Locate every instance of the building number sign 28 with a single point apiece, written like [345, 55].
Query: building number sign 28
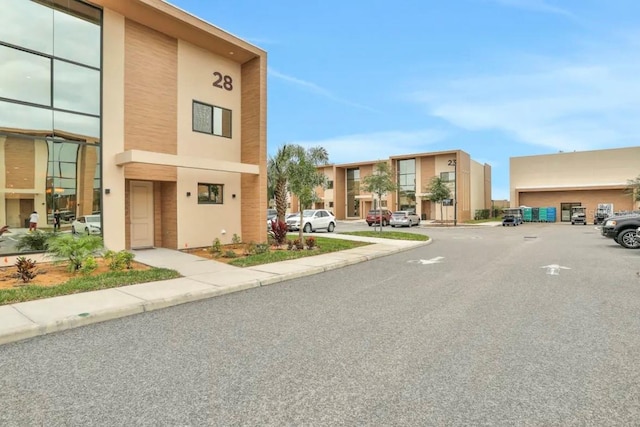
[222, 81]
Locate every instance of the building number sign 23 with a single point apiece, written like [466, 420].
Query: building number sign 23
[222, 81]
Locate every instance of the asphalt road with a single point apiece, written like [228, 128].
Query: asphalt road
[531, 325]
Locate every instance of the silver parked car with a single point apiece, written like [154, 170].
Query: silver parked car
[271, 215]
[312, 220]
[404, 219]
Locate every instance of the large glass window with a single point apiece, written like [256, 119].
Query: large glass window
[25, 120]
[407, 184]
[27, 24]
[26, 77]
[76, 88]
[353, 190]
[50, 92]
[82, 127]
[76, 34]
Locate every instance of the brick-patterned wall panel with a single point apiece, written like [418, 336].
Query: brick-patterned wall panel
[464, 187]
[20, 159]
[143, 172]
[339, 193]
[127, 214]
[157, 214]
[487, 186]
[254, 150]
[151, 90]
[169, 223]
[427, 172]
[588, 198]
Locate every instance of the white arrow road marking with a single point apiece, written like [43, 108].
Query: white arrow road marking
[554, 269]
[435, 260]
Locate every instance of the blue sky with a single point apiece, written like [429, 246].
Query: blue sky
[495, 78]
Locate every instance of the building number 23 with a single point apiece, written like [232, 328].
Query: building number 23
[222, 82]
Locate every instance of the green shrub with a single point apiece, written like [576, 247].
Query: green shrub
[34, 241]
[88, 265]
[482, 214]
[127, 258]
[250, 248]
[262, 248]
[74, 249]
[26, 269]
[230, 254]
[216, 247]
[118, 260]
[236, 240]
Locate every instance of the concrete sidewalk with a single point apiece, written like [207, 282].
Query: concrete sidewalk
[202, 278]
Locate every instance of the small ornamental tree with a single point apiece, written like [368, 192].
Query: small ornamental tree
[379, 183]
[304, 177]
[74, 250]
[633, 188]
[439, 191]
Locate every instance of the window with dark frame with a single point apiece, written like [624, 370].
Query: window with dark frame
[448, 176]
[211, 119]
[210, 194]
[330, 185]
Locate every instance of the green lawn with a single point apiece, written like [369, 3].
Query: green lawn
[114, 279]
[111, 279]
[397, 235]
[324, 245]
[480, 221]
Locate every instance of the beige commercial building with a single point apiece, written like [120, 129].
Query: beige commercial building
[136, 111]
[584, 178]
[413, 172]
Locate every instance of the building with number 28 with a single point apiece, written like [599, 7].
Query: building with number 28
[133, 111]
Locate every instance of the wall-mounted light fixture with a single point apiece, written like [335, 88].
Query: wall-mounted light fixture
[188, 193]
[107, 191]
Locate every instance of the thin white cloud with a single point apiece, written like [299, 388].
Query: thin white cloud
[585, 104]
[536, 6]
[375, 146]
[314, 88]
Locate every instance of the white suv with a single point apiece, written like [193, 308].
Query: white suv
[312, 220]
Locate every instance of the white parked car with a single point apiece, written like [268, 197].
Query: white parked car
[404, 219]
[312, 220]
[271, 215]
[87, 224]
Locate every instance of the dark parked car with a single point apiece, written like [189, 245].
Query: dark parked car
[374, 215]
[623, 228]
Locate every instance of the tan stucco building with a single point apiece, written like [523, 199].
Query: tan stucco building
[470, 179]
[584, 178]
[136, 111]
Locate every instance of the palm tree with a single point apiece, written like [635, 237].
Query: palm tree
[277, 177]
[278, 170]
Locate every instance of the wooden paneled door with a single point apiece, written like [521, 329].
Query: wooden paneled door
[141, 211]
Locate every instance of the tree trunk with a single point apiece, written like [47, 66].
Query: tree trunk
[281, 198]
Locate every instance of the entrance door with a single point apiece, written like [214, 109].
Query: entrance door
[565, 209]
[141, 213]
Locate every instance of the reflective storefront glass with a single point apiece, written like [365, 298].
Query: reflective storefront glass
[50, 122]
[407, 184]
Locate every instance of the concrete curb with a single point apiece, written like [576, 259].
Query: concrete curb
[34, 329]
